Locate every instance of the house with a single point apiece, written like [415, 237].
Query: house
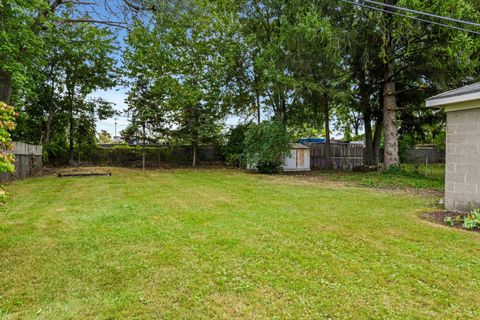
[299, 158]
[462, 178]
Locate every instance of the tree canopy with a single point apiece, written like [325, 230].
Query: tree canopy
[361, 69]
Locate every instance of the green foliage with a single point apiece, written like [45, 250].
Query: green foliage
[21, 45]
[234, 149]
[7, 125]
[266, 146]
[55, 150]
[472, 221]
[104, 137]
[181, 66]
[448, 221]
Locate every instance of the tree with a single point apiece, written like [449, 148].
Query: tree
[314, 54]
[148, 117]
[266, 146]
[420, 50]
[21, 43]
[104, 137]
[187, 56]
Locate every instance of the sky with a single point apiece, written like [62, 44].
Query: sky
[116, 96]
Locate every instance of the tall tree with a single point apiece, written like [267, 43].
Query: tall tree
[77, 61]
[187, 55]
[420, 50]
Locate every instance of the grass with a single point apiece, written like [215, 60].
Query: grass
[209, 244]
[405, 177]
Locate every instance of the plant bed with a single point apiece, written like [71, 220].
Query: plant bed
[449, 219]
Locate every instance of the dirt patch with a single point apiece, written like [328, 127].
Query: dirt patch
[455, 219]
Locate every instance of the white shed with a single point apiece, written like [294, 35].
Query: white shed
[299, 158]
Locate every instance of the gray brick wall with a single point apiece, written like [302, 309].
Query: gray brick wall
[462, 177]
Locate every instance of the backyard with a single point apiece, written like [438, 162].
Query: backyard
[226, 244]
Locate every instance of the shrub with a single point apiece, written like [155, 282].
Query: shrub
[266, 145]
[7, 160]
[7, 125]
[235, 147]
[472, 221]
[448, 221]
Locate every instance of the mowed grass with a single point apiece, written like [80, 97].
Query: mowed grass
[207, 244]
[431, 178]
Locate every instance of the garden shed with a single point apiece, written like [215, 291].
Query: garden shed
[299, 158]
[462, 178]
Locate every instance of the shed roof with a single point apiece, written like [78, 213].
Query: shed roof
[299, 146]
[464, 94]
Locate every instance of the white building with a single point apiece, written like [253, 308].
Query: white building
[462, 179]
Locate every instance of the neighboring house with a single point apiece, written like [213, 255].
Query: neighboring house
[462, 178]
[299, 158]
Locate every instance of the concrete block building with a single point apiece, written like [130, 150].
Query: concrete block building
[462, 177]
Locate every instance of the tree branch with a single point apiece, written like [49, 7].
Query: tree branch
[79, 2]
[116, 24]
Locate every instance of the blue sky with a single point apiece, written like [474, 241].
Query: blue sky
[116, 96]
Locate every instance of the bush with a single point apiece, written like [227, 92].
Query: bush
[266, 146]
[7, 125]
[472, 221]
[235, 147]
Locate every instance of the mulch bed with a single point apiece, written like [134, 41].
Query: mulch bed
[439, 218]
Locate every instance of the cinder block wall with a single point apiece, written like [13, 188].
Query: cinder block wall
[462, 180]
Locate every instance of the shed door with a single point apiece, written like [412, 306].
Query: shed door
[300, 158]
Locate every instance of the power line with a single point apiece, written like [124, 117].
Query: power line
[422, 13]
[112, 125]
[412, 17]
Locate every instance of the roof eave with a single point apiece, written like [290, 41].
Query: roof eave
[444, 102]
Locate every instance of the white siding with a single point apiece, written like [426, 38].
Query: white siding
[291, 162]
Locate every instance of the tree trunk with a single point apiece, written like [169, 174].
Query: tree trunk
[194, 154]
[48, 128]
[257, 97]
[377, 139]
[143, 146]
[5, 87]
[367, 119]
[71, 135]
[390, 130]
[326, 117]
[50, 106]
[259, 116]
[71, 138]
[391, 157]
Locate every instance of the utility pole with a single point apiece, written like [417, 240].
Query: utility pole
[116, 126]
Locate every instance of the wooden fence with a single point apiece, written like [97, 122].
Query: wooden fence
[343, 156]
[28, 162]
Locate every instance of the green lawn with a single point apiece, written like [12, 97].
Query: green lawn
[431, 178]
[224, 244]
